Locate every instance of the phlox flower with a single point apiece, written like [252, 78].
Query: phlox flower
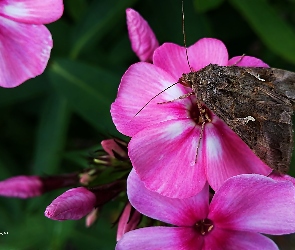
[25, 43]
[243, 207]
[165, 137]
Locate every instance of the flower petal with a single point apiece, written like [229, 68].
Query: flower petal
[164, 156]
[32, 11]
[206, 51]
[282, 177]
[142, 38]
[180, 212]
[168, 238]
[24, 51]
[232, 240]
[254, 203]
[247, 61]
[172, 57]
[226, 155]
[142, 82]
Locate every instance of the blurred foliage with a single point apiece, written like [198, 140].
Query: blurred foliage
[50, 123]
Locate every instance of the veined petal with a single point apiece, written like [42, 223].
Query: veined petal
[142, 82]
[247, 61]
[233, 240]
[167, 165]
[172, 57]
[32, 11]
[168, 238]
[142, 38]
[179, 212]
[24, 51]
[254, 203]
[226, 155]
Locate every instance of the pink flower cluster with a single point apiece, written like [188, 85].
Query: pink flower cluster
[168, 182]
[25, 43]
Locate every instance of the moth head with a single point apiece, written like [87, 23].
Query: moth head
[185, 80]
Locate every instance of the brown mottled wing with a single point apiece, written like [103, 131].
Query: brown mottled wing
[255, 92]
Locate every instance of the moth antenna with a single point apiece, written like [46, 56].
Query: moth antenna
[155, 97]
[184, 37]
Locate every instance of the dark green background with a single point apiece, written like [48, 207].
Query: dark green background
[50, 124]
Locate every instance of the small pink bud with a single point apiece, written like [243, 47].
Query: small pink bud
[114, 145]
[142, 38]
[128, 221]
[91, 218]
[71, 205]
[21, 187]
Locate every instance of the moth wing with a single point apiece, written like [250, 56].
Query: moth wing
[283, 80]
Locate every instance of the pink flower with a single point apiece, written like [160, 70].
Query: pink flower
[71, 205]
[142, 38]
[165, 136]
[21, 187]
[243, 207]
[25, 43]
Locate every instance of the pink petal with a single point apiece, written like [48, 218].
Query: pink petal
[24, 51]
[141, 82]
[168, 238]
[142, 38]
[206, 51]
[226, 155]
[180, 212]
[71, 205]
[232, 240]
[172, 58]
[254, 203]
[282, 177]
[32, 11]
[21, 187]
[164, 155]
[247, 61]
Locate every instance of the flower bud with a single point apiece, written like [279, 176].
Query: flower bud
[142, 38]
[128, 221]
[71, 205]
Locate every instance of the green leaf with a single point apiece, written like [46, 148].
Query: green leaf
[28, 90]
[206, 5]
[51, 135]
[272, 30]
[76, 8]
[101, 17]
[90, 91]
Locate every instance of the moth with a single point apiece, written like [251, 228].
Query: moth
[256, 103]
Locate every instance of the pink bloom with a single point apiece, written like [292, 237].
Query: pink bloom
[21, 187]
[71, 205]
[165, 136]
[142, 38]
[128, 221]
[243, 207]
[25, 43]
